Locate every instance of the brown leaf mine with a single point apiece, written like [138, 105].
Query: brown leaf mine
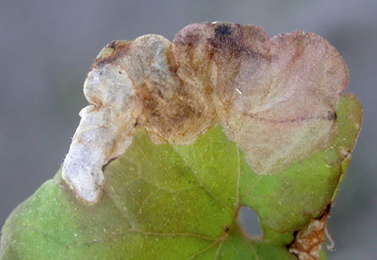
[276, 98]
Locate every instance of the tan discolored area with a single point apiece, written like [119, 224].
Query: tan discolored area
[171, 109]
[307, 243]
[276, 98]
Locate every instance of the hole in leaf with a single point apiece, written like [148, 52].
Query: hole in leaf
[250, 222]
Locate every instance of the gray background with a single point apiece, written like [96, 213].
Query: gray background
[46, 48]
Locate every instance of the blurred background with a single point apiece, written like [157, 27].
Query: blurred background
[47, 47]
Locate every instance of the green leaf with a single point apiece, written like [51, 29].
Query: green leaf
[171, 201]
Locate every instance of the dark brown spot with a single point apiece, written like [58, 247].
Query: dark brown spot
[226, 228]
[232, 42]
[223, 30]
[120, 48]
[112, 44]
[104, 166]
[331, 115]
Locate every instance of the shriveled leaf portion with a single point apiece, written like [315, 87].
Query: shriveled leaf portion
[275, 98]
[272, 96]
[180, 202]
[132, 83]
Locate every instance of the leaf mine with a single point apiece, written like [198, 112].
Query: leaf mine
[276, 98]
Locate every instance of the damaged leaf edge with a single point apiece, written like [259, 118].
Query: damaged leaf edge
[107, 125]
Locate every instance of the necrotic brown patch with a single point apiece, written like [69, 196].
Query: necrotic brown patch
[277, 99]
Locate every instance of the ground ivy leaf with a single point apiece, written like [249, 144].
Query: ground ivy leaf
[167, 153]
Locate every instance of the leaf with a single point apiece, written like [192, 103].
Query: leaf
[187, 162]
